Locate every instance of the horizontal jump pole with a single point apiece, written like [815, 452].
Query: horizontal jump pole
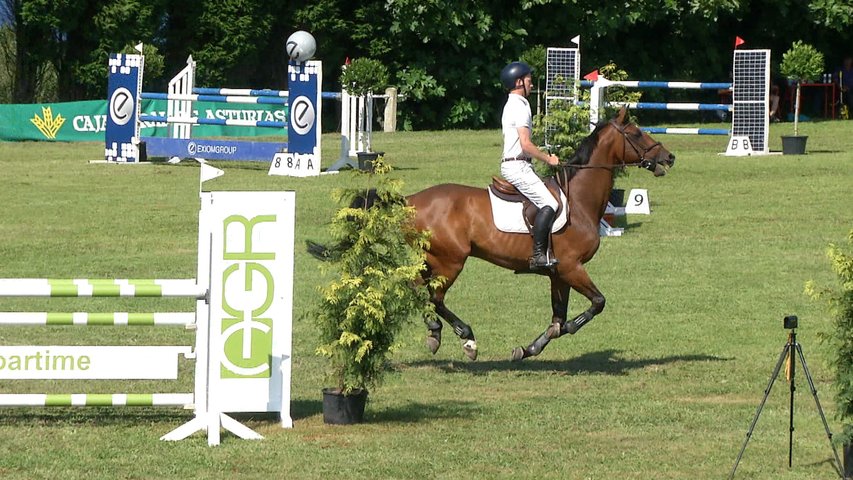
[659, 84]
[43, 287]
[96, 400]
[686, 131]
[212, 121]
[675, 106]
[215, 98]
[256, 93]
[97, 319]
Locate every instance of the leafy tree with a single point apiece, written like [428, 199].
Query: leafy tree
[840, 338]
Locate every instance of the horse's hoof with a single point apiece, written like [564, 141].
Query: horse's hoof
[517, 354]
[554, 331]
[433, 344]
[470, 349]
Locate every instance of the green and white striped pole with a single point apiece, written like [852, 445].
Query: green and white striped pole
[97, 400]
[185, 319]
[43, 287]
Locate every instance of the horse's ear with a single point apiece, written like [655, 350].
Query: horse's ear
[622, 116]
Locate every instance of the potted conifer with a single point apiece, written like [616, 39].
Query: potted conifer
[840, 302]
[378, 261]
[360, 78]
[801, 63]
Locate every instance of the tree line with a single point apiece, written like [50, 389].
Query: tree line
[444, 55]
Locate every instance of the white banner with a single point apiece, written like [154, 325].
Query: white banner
[90, 362]
[251, 300]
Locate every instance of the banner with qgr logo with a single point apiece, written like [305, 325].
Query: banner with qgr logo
[251, 298]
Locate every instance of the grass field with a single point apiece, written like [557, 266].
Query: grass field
[661, 385]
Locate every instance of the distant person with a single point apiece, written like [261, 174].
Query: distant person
[843, 77]
[774, 104]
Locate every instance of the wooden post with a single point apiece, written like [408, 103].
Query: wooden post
[390, 117]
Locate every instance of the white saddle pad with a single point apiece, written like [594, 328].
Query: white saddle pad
[508, 217]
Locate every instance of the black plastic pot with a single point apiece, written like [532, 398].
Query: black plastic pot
[365, 160]
[794, 145]
[340, 409]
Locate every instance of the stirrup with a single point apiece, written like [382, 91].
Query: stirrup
[542, 262]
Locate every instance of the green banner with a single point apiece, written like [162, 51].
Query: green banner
[86, 121]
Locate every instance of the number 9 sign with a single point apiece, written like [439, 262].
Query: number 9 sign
[638, 202]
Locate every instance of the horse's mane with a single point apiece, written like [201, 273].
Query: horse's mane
[584, 151]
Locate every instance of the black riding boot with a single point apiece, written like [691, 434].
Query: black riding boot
[541, 231]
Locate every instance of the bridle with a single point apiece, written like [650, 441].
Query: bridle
[642, 161]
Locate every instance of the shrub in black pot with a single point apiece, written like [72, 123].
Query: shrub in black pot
[378, 260]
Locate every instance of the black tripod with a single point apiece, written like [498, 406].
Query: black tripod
[788, 352]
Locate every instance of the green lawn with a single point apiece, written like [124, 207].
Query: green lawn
[663, 384]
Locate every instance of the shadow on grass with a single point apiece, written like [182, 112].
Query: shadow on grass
[94, 416]
[412, 413]
[608, 362]
[423, 412]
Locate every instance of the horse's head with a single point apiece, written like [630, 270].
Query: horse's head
[641, 149]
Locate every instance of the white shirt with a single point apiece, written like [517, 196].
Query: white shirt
[516, 114]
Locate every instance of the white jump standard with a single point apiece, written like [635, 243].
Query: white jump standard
[242, 324]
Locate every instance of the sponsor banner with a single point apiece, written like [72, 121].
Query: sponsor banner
[212, 149]
[251, 300]
[124, 87]
[91, 362]
[87, 121]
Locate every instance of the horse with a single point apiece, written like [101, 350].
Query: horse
[459, 218]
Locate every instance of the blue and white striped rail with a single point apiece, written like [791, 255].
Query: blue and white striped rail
[686, 131]
[215, 98]
[212, 121]
[659, 84]
[676, 106]
[184, 319]
[248, 92]
[245, 92]
[97, 400]
[43, 287]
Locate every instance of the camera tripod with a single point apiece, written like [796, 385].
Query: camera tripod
[788, 352]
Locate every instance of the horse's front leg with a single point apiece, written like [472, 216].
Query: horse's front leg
[559, 308]
[581, 282]
[460, 328]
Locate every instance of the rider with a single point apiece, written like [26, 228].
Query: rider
[518, 151]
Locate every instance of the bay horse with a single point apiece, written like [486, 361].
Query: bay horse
[460, 221]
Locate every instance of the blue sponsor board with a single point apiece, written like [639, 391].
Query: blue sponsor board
[123, 92]
[212, 149]
[303, 131]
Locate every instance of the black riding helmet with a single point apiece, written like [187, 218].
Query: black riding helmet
[513, 72]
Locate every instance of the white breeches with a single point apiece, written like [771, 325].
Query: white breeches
[520, 173]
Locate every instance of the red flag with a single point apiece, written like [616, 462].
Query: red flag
[347, 62]
[739, 41]
[591, 76]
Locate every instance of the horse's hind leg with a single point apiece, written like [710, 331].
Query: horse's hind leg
[559, 308]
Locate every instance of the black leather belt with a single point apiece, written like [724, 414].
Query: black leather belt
[523, 159]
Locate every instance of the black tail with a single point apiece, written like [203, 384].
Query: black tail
[325, 253]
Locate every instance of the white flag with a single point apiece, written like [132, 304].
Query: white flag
[208, 172]
[138, 47]
[577, 40]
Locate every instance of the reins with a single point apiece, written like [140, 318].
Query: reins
[642, 162]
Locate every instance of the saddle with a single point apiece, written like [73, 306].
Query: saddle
[507, 192]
